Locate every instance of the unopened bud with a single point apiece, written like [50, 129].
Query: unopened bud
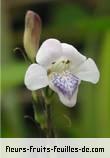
[32, 34]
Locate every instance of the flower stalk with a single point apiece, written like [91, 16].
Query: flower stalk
[48, 112]
[42, 112]
[39, 108]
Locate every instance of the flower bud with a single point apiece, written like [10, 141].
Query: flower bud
[32, 34]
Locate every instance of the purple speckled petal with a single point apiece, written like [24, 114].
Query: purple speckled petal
[66, 83]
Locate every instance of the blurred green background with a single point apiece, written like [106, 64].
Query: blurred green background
[82, 23]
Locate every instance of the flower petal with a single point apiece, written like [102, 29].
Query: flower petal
[88, 71]
[49, 51]
[71, 53]
[64, 99]
[69, 102]
[36, 77]
[66, 86]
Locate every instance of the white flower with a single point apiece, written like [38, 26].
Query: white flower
[61, 67]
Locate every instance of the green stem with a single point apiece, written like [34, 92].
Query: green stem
[39, 108]
[50, 132]
[43, 111]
